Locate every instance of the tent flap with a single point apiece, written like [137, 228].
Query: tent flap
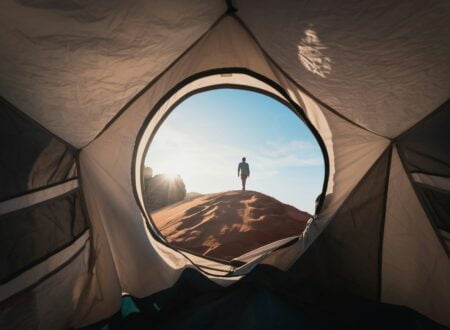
[345, 258]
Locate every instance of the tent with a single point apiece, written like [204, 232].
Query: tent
[84, 85]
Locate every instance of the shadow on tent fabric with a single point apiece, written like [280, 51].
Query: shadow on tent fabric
[265, 299]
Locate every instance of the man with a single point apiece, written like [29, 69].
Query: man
[244, 171]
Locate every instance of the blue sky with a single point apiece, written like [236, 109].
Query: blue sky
[206, 136]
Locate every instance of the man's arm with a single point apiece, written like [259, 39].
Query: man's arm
[239, 168]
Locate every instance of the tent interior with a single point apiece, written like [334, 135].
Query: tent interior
[85, 84]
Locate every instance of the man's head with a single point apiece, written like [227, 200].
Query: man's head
[243, 159]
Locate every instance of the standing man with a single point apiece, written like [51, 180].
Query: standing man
[244, 170]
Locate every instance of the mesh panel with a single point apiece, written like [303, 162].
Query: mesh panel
[30, 157]
[438, 205]
[30, 235]
[425, 147]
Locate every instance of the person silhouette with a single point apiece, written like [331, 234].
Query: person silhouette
[244, 171]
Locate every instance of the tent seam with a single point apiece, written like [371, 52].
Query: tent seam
[383, 222]
[86, 214]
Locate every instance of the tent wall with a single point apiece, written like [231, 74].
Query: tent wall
[352, 151]
[81, 62]
[51, 301]
[415, 268]
[383, 64]
[32, 158]
[425, 153]
[32, 234]
[108, 181]
[44, 230]
[345, 258]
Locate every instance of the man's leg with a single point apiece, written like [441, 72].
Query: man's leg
[244, 179]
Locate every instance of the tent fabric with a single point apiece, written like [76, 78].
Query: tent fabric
[424, 147]
[37, 197]
[346, 256]
[415, 267]
[31, 158]
[85, 84]
[36, 274]
[50, 303]
[438, 204]
[382, 64]
[44, 229]
[424, 152]
[104, 53]
[32, 234]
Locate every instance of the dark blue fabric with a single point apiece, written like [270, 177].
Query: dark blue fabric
[266, 299]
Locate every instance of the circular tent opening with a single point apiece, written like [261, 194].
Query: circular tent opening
[198, 213]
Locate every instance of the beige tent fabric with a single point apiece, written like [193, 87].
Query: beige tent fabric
[52, 303]
[383, 64]
[106, 166]
[125, 258]
[36, 197]
[351, 150]
[415, 269]
[73, 65]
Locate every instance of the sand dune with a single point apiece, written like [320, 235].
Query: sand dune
[227, 225]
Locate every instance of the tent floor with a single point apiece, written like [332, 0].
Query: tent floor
[265, 299]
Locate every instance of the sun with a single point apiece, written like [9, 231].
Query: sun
[171, 175]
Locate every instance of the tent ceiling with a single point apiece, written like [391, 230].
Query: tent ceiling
[73, 65]
[383, 64]
[80, 62]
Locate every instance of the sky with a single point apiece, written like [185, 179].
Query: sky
[205, 137]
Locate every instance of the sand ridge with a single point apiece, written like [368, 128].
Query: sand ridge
[229, 224]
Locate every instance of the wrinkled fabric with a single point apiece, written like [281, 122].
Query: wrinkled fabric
[73, 65]
[383, 64]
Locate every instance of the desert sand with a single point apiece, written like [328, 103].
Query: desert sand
[227, 225]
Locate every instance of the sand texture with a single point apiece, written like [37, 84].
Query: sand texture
[227, 225]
